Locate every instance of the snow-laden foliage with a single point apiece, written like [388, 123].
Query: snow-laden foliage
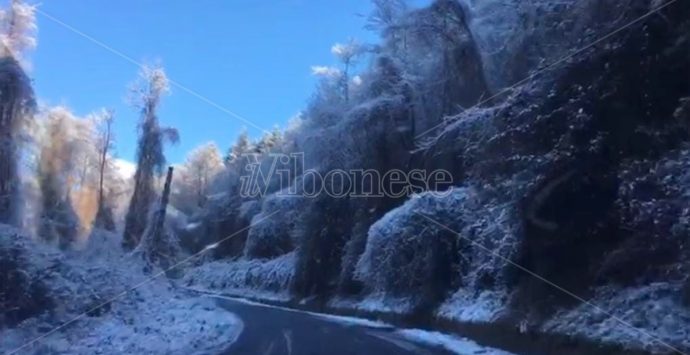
[59, 156]
[193, 181]
[105, 218]
[23, 292]
[405, 251]
[147, 92]
[435, 244]
[272, 231]
[54, 288]
[17, 29]
[648, 317]
[16, 111]
[245, 276]
[574, 175]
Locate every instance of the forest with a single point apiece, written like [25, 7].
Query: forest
[563, 126]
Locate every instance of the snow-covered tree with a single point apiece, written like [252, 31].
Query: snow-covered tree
[240, 148]
[56, 171]
[335, 82]
[147, 92]
[388, 18]
[104, 215]
[347, 54]
[159, 246]
[18, 29]
[16, 101]
[269, 142]
[201, 167]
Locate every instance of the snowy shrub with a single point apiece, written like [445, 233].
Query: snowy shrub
[321, 234]
[354, 248]
[120, 309]
[244, 275]
[413, 251]
[653, 196]
[647, 317]
[273, 236]
[409, 255]
[22, 290]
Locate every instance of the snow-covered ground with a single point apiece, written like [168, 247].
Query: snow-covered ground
[163, 324]
[146, 316]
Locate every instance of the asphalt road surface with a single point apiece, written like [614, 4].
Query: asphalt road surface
[277, 331]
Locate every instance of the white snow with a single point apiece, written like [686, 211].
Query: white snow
[352, 321]
[648, 317]
[375, 302]
[147, 315]
[261, 279]
[460, 346]
[473, 306]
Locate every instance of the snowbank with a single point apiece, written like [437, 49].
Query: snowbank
[460, 346]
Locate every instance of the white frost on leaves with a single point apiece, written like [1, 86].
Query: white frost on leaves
[250, 278]
[486, 233]
[18, 29]
[640, 317]
[473, 305]
[376, 302]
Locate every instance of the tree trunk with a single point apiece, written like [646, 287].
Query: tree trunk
[165, 198]
[157, 247]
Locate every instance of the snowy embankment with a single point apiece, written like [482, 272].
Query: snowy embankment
[146, 315]
[259, 279]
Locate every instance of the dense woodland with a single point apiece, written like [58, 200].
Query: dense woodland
[565, 125]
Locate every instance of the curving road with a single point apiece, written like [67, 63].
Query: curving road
[277, 331]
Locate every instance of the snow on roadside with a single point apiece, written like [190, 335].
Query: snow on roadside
[155, 326]
[473, 306]
[649, 317]
[460, 346]
[146, 315]
[375, 302]
[260, 279]
[352, 321]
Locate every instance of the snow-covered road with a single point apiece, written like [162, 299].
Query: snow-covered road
[270, 330]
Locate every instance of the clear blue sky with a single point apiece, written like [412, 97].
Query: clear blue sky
[252, 57]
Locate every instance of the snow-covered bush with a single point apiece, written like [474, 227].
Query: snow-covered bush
[244, 275]
[648, 317]
[111, 305]
[272, 231]
[408, 255]
[435, 243]
[22, 290]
